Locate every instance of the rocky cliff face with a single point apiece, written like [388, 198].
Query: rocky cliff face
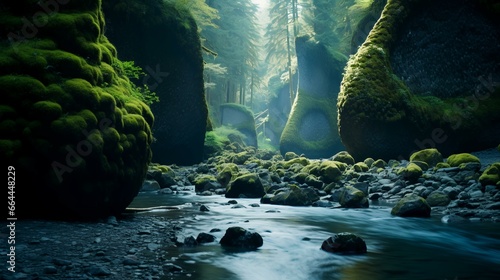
[70, 125]
[312, 126]
[423, 79]
[164, 41]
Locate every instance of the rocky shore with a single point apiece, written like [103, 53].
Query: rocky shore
[136, 246]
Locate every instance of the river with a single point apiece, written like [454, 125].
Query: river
[398, 248]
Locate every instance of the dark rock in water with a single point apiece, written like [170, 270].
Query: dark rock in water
[238, 237]
[351, 197]
[97, 270]
[205, 238]
[312, 126]
[204, 208]
[412, 205]
[190, 241]
[248, 185]
[293, 196]
[345, 242]
[438, 198]
[167, 47]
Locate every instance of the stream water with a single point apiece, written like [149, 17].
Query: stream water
[398, 248]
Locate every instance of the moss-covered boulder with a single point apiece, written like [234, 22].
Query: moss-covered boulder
[412, 205]
[293, 196]
[71, 126]
[491, 175]
[419, 81]
[411, 172]
[331, 171]
[351, 197]
[163, 39]
[312, 126]
[246, 186]
[430, 156]
[437, 198]
[456, 160]
[344, 157]
[240, 118]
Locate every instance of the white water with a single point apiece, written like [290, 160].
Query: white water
[398, 248]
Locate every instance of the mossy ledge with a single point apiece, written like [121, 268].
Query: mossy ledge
[77, 138]
[380, 117]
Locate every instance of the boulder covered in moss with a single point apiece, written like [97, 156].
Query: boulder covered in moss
[71, 126]
[411, 205]
[456, 160]
[163, 39]
[245, 186]
[240, 118]
[351, 197]
[491, 175]
[419, 81]
[312, 126]
[430, 156]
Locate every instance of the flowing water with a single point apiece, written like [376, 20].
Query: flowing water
[398, 248]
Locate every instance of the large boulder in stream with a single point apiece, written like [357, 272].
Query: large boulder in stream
[242, 239]
[312, 126]
[292, 196]
[247, 186]
[344, 242]
[412, 205]
[424, 78]
[77, 137]
[164, 41]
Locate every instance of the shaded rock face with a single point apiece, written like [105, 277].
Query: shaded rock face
[165, 43]
[412, 206]
[386, 114]
[241, 119]
[311, 128]
[441, 37]
[279, 110]
[78, 141]
[344, 242]
[240, 238]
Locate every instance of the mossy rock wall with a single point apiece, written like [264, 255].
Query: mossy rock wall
[279, 110]
[240, 118]
[78, 140]
[312, 126]
[388, 112]
[164, 41]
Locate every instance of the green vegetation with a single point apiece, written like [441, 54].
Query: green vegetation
[457, 159]
[132, 71]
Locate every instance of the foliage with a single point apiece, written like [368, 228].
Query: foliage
[132, 71]
[203, 14]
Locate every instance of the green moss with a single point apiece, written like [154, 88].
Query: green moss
[379, 163]
[344, 157]
[456, 159]
[47, 110]
[491, 175]
[397, 119]
[290, 138]
[330, 171]
[429, 156]
[411, 172]
[360, 167]
[300, 160]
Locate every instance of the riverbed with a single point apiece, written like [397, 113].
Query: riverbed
[398, 248]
